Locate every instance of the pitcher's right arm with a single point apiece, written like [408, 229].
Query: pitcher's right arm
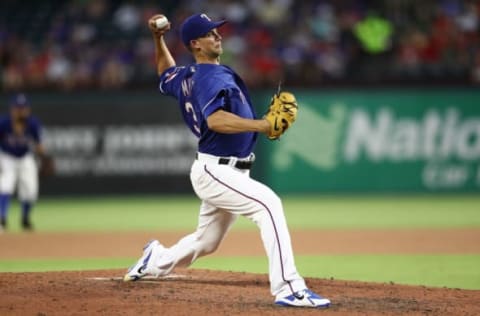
[163, 57]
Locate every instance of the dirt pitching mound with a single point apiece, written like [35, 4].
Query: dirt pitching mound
[203, 292]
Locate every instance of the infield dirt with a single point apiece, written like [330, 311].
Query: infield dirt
[201, 292]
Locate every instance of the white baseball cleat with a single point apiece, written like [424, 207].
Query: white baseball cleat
[139, 270]
[304, 298]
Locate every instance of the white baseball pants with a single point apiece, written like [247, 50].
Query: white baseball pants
[227, 192]
[19, 171]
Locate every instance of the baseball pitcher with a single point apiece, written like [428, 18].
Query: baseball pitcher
[216, 107]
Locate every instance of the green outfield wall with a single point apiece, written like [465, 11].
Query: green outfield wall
[344, 140]
[379, 140]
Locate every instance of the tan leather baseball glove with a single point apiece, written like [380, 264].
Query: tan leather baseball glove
[281, 114]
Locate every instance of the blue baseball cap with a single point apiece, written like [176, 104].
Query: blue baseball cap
[197, 26]
[19, 100]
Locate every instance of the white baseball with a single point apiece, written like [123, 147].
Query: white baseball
[161, 22]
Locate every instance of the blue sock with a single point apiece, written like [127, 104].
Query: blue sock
[4, 203]
[26, 208]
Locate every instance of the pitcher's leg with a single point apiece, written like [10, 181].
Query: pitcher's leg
[243, 195]
[213, 224]
[284, 278]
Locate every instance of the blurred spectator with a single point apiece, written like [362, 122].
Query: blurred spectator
[271, 12]
[127, 17]
[105, 44]
[374, 33]
[59, 68]
[476, 69]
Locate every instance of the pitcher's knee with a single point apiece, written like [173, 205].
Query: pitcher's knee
[274, 204]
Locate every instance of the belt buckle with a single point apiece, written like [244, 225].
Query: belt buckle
[232, 161]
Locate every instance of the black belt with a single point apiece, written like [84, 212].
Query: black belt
[244, 165]
[239, 164]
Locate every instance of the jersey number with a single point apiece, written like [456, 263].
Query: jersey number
[189, 109]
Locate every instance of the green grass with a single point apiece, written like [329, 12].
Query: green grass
[454, 271]
[384, 212]
[324, 212]
[113, 214]
[43, 265]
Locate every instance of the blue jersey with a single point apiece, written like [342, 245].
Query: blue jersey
[202, 89]
[15, 144]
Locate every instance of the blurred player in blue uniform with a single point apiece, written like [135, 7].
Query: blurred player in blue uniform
[217, 108]
[20, 139]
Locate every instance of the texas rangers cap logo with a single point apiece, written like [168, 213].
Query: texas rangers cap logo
[197, 26]
[203, 15]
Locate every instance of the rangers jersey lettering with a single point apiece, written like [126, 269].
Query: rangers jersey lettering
[202, 89]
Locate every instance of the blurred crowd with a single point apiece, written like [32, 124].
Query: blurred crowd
[102, 44]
